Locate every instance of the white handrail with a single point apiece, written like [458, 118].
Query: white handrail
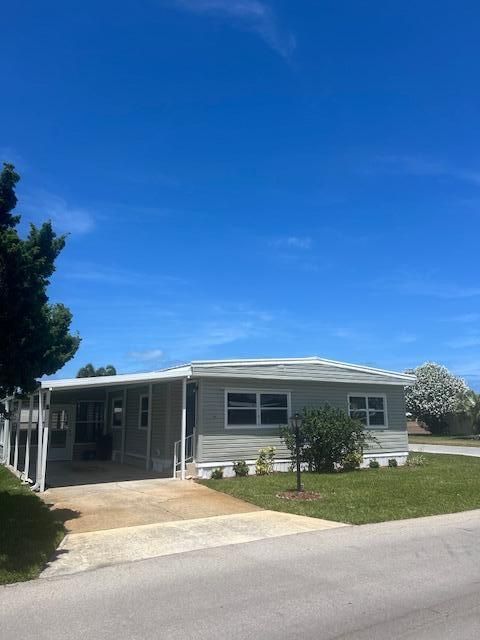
[177, 452]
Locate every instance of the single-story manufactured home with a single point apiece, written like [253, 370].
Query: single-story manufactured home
[195, 417]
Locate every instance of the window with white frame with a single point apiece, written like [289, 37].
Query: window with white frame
[143, 413]
[248, 408]
[117, 413]
[370, 410]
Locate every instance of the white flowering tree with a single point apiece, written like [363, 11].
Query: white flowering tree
[436, 393]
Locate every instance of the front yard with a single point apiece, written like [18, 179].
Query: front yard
[29, 531]
[445, 484]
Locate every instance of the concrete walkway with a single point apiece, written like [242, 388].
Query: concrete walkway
[83, 551]
[440, 448]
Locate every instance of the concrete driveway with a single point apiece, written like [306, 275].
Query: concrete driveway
[474, 452]
[113, 505]
[113, 523]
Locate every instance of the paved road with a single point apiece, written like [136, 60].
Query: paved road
[415, 579]
[440, 448]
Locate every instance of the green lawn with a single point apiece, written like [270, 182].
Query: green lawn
[449, 440]
[29, 531]
[445, 484]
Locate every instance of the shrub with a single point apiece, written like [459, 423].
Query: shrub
[240, 468]
[352, 461]
[374, 464]
[264, 463]
[416, 460]
[327, 437]
[392, 462]
[217, 474]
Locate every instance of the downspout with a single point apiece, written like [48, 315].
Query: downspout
[38, 469]
[26, 465]
[17, 437]
[184, 429]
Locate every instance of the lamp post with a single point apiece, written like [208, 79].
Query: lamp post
[296, 421]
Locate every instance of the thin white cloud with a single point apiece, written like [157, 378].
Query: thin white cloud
[465, 318]
[343, 332]
[66, 218]
[423, 166]
[254, 16]
[293, 242]
[413, 285]
[115, 275]
[464, 342]
[149, 355]
[406, 338]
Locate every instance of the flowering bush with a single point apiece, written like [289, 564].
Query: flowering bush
[436, 393]
[265, 460]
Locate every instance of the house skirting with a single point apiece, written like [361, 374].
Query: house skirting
[204, 469]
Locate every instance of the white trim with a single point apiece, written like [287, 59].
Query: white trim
[183, 431]
[112, 413]
[373, 427]
[45, 441]
[258, 392]
[140, 398]
[118, 380]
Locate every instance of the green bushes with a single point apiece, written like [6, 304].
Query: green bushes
[374, 464]
[217, 474]
[328, 438]
[241, 469]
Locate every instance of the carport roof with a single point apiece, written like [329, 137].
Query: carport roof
[308, 369]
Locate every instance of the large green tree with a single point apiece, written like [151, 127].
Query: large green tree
[35, 338]
[89, 371]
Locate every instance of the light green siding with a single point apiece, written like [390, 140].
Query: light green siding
[215, 443]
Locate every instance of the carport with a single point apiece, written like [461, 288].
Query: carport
[122, 427]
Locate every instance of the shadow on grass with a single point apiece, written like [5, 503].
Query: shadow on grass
[29, 534]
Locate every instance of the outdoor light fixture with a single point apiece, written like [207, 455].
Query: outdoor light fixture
[296, 422]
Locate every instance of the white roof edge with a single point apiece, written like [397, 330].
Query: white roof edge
[200, 367]
[183, 371]
[336, 363]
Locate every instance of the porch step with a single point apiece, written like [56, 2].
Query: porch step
[190, 470]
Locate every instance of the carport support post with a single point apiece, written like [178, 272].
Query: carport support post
[26, 468]
[6, 433]
[38, 470]
[45, 441]
[17, 436]
[184, 428]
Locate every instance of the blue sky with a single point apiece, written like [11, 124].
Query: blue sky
[253, 178]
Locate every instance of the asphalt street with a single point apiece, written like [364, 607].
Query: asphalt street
[409, 579]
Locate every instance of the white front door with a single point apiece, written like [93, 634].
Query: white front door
[61, 431]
